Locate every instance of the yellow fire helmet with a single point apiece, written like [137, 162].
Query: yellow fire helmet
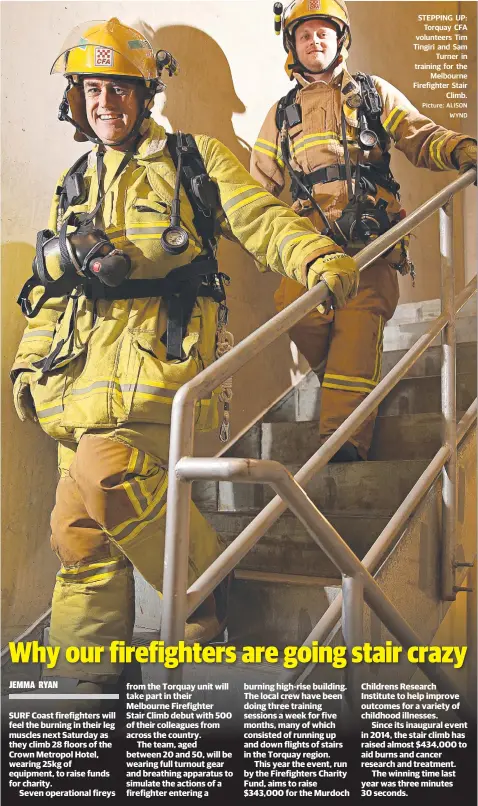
[108, 48]
[299, 11]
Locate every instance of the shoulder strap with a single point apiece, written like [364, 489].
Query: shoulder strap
[372, 106]
[199, 187]
[79, 167]
[371, 99]
[284, 102]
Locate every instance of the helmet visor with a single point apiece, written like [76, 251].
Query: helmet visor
[95, 48]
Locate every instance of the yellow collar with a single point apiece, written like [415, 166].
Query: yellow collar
[153, 142]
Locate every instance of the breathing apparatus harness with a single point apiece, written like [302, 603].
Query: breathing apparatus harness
[92, 266]
[362, 219]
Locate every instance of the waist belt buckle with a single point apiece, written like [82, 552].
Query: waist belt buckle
[333, 173]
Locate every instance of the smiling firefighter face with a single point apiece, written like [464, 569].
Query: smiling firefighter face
[316, 44]
[112, 107]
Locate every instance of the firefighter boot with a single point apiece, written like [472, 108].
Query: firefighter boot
[88, 687]
[209, 620]
[347, 453]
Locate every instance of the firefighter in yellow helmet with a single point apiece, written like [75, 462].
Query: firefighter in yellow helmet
[123, 307]
[332, 134]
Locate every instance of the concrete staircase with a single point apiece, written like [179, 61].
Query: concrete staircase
[286, 582]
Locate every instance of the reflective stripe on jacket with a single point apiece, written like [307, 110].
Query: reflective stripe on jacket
[112, 367]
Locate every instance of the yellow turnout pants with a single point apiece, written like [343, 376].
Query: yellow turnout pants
[110, 515]
[345, 347]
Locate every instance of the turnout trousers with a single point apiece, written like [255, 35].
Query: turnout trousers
[345, 347]
[109, 516]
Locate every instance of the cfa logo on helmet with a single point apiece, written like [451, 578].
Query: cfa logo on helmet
[103, 57]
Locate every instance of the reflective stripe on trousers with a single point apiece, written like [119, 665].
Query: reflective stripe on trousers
[345, 347]
[110, 515]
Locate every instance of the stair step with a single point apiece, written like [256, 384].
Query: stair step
[301, 404]
[404, 336]
[288, 530]
[287, 548]
[342, 487]
[416, 436]
[236, 674]
[430, 362]
[419, 395]
[288, 612]
[412, 395]
[358, 486]
[426, 311]
[289, 442]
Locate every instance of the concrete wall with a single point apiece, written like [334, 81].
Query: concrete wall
[231, 74]
[458, 628]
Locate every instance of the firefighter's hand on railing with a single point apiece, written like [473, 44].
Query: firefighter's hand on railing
[464, 155]
[22, 399]
[339, 271]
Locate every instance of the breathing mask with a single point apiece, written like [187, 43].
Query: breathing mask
[65, 261]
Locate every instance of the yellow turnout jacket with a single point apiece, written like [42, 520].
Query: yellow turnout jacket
[111, 365]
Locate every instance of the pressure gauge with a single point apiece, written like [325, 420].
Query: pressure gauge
[367, 139]
[354, 101]
[174, 240]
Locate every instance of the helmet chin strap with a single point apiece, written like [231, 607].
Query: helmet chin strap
[63, 115]
[63, 110]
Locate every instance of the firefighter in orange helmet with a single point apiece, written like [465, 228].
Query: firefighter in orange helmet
[332, 133]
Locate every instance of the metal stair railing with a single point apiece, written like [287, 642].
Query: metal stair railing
[327, 626]
[358, 584]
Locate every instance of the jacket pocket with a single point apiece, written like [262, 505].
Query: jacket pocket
[48, 393]
[147, 218]
[53, 377]
[148, 382]
[151, 204]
